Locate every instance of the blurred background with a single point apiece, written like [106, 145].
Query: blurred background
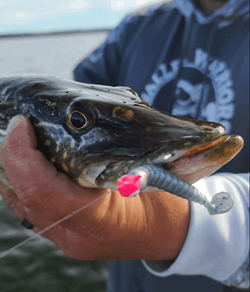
[50, 37]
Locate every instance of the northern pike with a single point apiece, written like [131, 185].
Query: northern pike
[96, 134]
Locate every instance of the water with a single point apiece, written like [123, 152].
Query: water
[39, 266]
[54, 55]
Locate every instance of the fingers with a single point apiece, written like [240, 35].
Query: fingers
[12, 202]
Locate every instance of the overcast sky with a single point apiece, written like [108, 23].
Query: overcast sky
[20, 16]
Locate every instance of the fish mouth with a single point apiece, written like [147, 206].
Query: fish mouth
[189, 164]
[205, 159]
[185, 143]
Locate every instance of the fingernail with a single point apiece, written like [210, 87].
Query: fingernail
[13, 122]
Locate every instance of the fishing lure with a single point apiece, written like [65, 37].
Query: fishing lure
[140, 178]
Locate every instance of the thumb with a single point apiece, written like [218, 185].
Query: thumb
[24, 127]
[21, 161]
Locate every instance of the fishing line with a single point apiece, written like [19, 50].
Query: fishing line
[2, 255]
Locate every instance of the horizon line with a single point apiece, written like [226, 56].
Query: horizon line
[63, 32]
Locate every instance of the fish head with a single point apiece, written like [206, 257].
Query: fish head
[98, 133]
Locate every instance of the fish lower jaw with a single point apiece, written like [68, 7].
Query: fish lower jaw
[83, 183]
[89, 175]
[86, 184]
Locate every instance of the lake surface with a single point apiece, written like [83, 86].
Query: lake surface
[55, 55]
[39, 266]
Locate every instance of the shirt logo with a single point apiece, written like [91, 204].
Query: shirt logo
[204, 90]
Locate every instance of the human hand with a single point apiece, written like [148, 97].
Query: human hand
[149, 226]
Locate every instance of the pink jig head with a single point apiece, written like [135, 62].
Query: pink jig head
[129, 185]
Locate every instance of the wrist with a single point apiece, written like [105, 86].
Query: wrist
[151, 226]
[169, 225]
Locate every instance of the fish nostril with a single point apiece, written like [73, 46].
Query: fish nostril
[221, 130]
[214, 129]
[207, 129]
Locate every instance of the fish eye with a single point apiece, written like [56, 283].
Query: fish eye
[79, 117]
[77, 120]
